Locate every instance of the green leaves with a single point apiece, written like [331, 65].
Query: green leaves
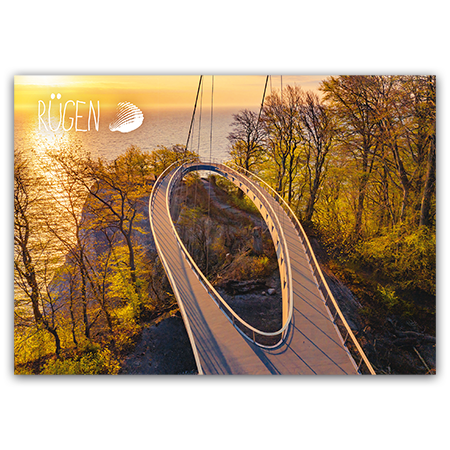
[404, 256]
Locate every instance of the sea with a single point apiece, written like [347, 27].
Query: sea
[161, 127]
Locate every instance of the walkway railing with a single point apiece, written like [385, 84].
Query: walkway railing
[249, 332]
[348, 338]
[259, 337]
[167, 268]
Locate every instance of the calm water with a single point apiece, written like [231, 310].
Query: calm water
[160, 127]
[165, 127]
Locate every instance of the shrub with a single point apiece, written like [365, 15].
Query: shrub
[246, 267]
[406, 257]
[388, 297]
[93, 361]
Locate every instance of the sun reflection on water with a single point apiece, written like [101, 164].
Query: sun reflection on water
[61, 200]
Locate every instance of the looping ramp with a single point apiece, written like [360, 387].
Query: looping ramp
[309, 341]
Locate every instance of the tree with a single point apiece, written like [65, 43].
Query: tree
[425, 117]
[405, 113]
[116, 193]
[429, 188]
[162, 157]
[197, 231]
[32, 261]
[394, 116]
[318, 134]
[86, 269]
[246, 139]
[281, 119]
[118, 196]
[69, 199]
[353, 103]
[82, 269]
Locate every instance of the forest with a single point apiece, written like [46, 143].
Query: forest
[357, 164]
[358, 167]
[81, 316]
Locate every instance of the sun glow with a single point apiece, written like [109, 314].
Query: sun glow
[152, 91]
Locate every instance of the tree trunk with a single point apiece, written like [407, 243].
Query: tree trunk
[131, 261]
[359, 211]
[84, 303]
[108, 316]
[291, 179]
[72, 316]
[52, 330]
[403, 179]
[313, 194]
[361, 198]
[429, 185]
[257, 241]
[38, 317]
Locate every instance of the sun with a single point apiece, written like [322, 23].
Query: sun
[41, 80]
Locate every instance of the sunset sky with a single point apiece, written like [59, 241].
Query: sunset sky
[153, 90]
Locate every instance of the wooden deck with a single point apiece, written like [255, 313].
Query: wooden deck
[312, 344]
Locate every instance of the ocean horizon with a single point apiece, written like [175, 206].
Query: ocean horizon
[161, 127]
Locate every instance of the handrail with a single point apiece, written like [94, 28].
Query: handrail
[280, 230]
[169, 274]
[216, 296]
[328, 292]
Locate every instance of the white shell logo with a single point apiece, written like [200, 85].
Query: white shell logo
[128, 118]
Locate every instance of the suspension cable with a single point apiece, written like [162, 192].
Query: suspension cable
[212, 110]
[193, 113]
[262, 103]
[210, 184]
[200, 121]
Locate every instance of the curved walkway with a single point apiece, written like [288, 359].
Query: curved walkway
[311, 342]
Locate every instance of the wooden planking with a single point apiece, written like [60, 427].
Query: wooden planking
[312, 345]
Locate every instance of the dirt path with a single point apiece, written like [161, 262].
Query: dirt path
[256, 219]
